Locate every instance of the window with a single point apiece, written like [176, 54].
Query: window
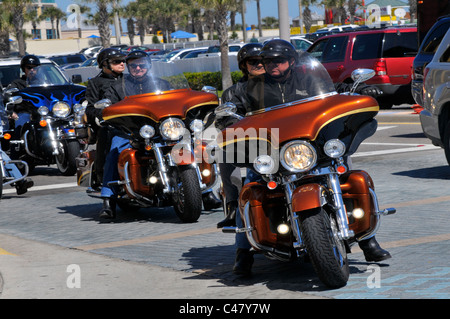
[318, 48]
[446, 56]
[396, 45]
[432, 41]
[367, 46]
[335, 50]
[50, 34]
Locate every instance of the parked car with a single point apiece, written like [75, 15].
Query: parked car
[298, 41]
[178, 54]
[92, 51]
[137, 47]
[319, 34]
[194, 54]
[88, 62]
[425, 54]
[389, 51]
[214, 50]
[435, 116]
[68, 58]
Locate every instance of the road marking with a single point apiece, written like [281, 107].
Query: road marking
[4, 252]
[415, 148]
[43, 187]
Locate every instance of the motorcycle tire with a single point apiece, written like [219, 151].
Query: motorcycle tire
[65, 161]
[187, 201]
[1, 179]
[325, 249]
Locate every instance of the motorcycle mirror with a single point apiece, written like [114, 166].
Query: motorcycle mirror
[362, 75]
[15, 99]
[209, 89]
[102, 104]
[11, 90]
[226, 109]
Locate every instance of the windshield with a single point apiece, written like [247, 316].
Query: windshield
[46, 75]
[308, 79]
[146, 76]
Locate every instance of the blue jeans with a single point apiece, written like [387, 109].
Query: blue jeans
[110, 171]
[241, 238]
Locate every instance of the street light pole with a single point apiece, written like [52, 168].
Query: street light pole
[283, 19]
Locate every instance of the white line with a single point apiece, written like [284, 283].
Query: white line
[398, 150]
[43, 187]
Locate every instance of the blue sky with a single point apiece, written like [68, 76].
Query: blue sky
[269, 8]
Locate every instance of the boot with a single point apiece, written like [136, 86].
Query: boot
[23, 185]
[373, 251]
[230, 219]
[108, 210]
[210, 201]
[244, 262]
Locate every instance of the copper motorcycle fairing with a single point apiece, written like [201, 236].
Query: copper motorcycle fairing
[306, 120]
[138, 110]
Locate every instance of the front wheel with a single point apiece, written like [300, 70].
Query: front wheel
[187, 198]
[325, 247]
[65, 160]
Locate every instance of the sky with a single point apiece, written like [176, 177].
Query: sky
[269, 8]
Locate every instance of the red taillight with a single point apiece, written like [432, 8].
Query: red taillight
[380, 67]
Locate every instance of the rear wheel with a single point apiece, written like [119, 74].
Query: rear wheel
[324, 247]
[187, 198]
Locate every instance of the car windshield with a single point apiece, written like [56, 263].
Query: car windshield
[46, 75]
[309, 80]
[145, 76]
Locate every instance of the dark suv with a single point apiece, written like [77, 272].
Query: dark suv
[389, 51]
[426, 52]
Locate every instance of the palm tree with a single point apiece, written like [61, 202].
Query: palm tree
[17, 8]
[221, 9]
[102, 19]
[54, 14]
[5, 27]
[130, 11]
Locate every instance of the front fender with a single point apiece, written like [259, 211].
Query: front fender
[307, 197]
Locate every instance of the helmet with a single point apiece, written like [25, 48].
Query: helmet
[29, 60]
[137, 54]
[279, 48]
[108, 54]
[247, 51]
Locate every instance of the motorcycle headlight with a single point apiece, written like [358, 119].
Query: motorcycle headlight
[196, 126]
[61, 109]
[43, 110]
[298, 156]
[264, 164]
[172, 129]
[334, 148]
[147, 131]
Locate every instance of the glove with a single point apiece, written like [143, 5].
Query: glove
[369, 90]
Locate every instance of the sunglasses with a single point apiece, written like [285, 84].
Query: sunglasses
[254, 62]
[141, 66]
[274, 61]
[117, 61]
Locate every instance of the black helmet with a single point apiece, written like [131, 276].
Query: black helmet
[137, 54]
[279, 48]
[29, 60]
[247, 51]
[108, 54]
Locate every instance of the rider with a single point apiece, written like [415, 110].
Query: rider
[279, 85]
[251, 65]
[111, 61]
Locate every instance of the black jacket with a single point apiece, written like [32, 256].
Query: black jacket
[95, 91]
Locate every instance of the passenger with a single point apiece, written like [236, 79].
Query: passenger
[111, 61]
[250, 64]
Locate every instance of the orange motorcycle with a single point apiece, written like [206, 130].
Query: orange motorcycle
[308, 200]
[164, 128]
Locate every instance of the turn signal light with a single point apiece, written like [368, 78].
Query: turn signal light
[7, 136]
[341, 169]
[272, 185]
[43, 123]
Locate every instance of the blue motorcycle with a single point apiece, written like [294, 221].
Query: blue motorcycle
[47, 120]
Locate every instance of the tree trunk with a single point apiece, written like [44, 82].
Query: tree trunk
[222, 31]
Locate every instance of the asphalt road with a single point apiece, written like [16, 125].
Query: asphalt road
[52, 244]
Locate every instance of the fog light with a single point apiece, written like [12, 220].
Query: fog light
[206, 172]
[153, 179]
[358, 213]
[283, 229]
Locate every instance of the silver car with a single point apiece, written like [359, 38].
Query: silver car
[435, 117]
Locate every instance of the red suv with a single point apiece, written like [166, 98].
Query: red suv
[389, 51]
